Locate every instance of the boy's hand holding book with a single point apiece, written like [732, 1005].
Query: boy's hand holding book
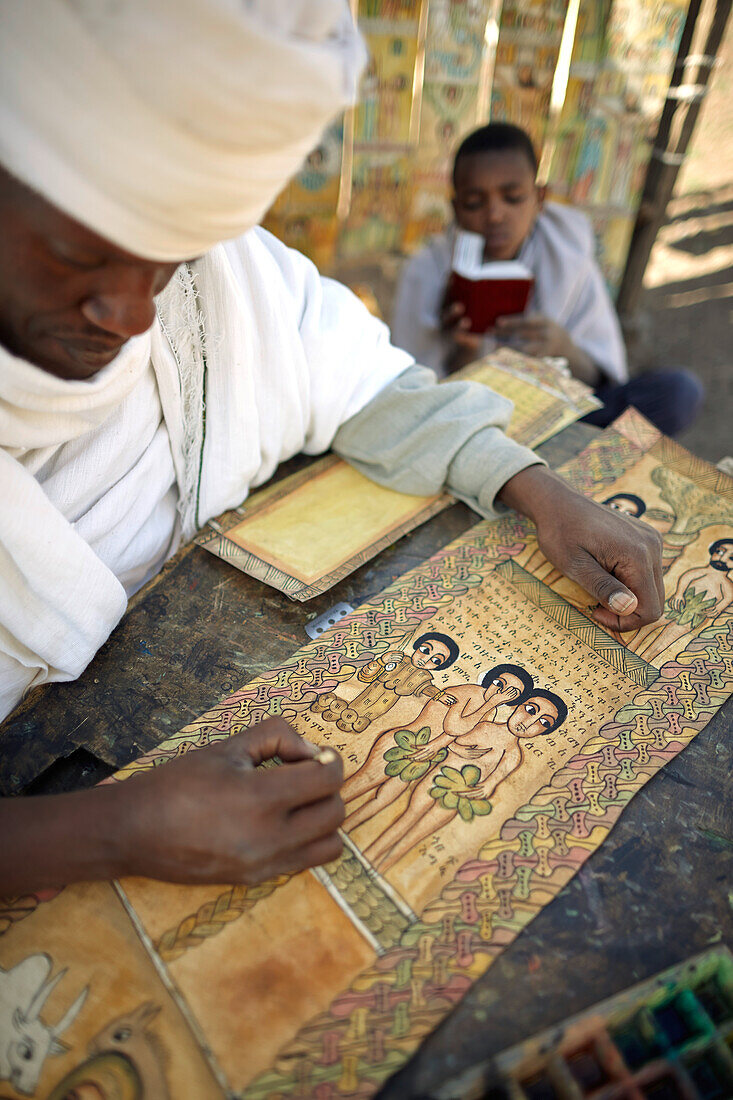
[477, 293]
[537, 335]
[534, 335]
[485, 289]
[455, 323]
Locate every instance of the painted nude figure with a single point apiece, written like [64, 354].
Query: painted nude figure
[700, 596]
[461, 786]
[391, 677]
[435, 728]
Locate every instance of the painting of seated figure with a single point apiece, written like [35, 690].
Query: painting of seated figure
[666, 488]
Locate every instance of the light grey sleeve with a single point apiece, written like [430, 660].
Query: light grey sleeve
[419, 437]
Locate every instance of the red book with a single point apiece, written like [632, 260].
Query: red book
[498, 288]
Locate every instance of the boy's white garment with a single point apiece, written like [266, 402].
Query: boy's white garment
[101, 479]
[569, 289]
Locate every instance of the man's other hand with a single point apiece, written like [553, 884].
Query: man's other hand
[209, 816]
[614, 557]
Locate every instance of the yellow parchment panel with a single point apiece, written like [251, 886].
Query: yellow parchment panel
[324, 522]
[532, 406]
[265, 960]
[123, 1035]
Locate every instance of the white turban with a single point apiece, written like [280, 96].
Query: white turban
[169, 125]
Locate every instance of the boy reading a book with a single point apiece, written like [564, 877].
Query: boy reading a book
[569, 314]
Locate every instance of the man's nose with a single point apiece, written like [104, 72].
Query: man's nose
[120, 314]
[125, 310]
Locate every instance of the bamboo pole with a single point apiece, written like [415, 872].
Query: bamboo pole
[668, 155]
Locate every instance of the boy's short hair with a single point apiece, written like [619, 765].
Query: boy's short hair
[497, 137]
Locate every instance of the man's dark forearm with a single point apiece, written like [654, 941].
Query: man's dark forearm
[534, 490]
[53, 840]
[210, 816]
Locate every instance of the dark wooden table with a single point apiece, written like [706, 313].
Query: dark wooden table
[658, 890]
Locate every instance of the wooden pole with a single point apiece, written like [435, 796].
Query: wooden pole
[668, 155]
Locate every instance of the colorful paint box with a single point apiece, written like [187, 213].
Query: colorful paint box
[669, 1038]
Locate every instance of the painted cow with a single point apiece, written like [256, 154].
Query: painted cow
[25, 1040]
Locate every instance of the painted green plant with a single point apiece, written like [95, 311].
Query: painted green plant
[695, 611]
[452, 790]
[400, 759]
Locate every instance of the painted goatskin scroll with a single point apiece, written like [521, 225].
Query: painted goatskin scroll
[492, 734]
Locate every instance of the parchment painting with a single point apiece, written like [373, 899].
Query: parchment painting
[680, 497]
[87, 1017]
[307, 532]
[492, 734]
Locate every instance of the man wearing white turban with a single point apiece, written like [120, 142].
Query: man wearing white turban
[143, 391]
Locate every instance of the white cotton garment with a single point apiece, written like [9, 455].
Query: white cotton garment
[99, 480]
[104, 458]
[169, 125]
[569, 289]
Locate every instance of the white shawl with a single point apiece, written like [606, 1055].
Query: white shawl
[570, 288]
[97, 487]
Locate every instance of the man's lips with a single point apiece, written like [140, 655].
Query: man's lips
[86, 337]
[91, 349]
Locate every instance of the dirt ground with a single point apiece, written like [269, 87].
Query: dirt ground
[688, 291]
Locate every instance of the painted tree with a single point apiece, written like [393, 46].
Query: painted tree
[693, 508]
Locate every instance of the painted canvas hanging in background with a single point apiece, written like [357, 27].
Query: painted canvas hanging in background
[455, 99]
[526, 57]
[438, 69]
[622, 61]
